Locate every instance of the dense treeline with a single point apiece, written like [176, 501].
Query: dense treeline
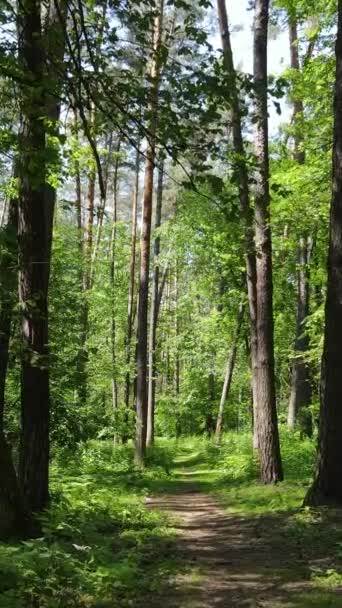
[164, 248]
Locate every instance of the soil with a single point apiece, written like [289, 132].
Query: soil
[234, 561]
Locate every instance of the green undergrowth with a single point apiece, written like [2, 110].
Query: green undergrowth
[100, 547]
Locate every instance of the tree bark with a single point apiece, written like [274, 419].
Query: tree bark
[270, 458]
[301, 390]
[145, 242]
[244, 197]
[154, 315]
[33, 244]
[40, 56]
[327, 486]
[229, 374]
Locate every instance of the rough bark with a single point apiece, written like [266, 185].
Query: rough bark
[33, 245]
[327, 487]
[244, 197]
[229, 374]
[40, 56]
[270, 458]
[154, 315]
[301, 390]
[145, 243]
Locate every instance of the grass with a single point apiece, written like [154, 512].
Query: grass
[101, 547]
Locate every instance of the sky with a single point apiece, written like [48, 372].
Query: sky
[242, 43]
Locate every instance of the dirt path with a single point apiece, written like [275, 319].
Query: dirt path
[233, 561]
[231, 564]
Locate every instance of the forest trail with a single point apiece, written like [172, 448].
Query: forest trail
[229, 560]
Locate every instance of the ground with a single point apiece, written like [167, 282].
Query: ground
[229, 560]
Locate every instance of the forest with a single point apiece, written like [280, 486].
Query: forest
[170, 303]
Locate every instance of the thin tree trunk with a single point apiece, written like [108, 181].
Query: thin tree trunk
[131, 291]
[154, 315]
[141, 402]
[209, 419]
[244, 197]
[82, 355]
[327, 486]
[229, 374]
[78, 190]
[301, 390]
[270, 458]
[112, 281]
[102, 206]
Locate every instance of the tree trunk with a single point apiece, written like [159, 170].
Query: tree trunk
[82, 355]
[229, 374]
[244, 197]
[33, 245]
[209, 419]
[154, 315]
[131, 291]
[327, 487]
[270, 458]
[112, 280]
[145, 242]
[15, 521]
[301, 391]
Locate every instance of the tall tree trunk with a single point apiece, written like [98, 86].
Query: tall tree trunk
[112, 280]
[154, 314]
[82, 355]
[327, 486]
[141, 405]
[229, 373]
[131, 290]
[301, 391]
[270, 458]
[244, 197]
[33, 244]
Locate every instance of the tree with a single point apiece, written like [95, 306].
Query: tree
[229, 373]
[39, 101]
[244, 197]
[301, 392]
[327, 486]
[155, 305]
[145, 243]
[271, 467]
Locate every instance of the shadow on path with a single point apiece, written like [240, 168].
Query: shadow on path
[233, 561]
